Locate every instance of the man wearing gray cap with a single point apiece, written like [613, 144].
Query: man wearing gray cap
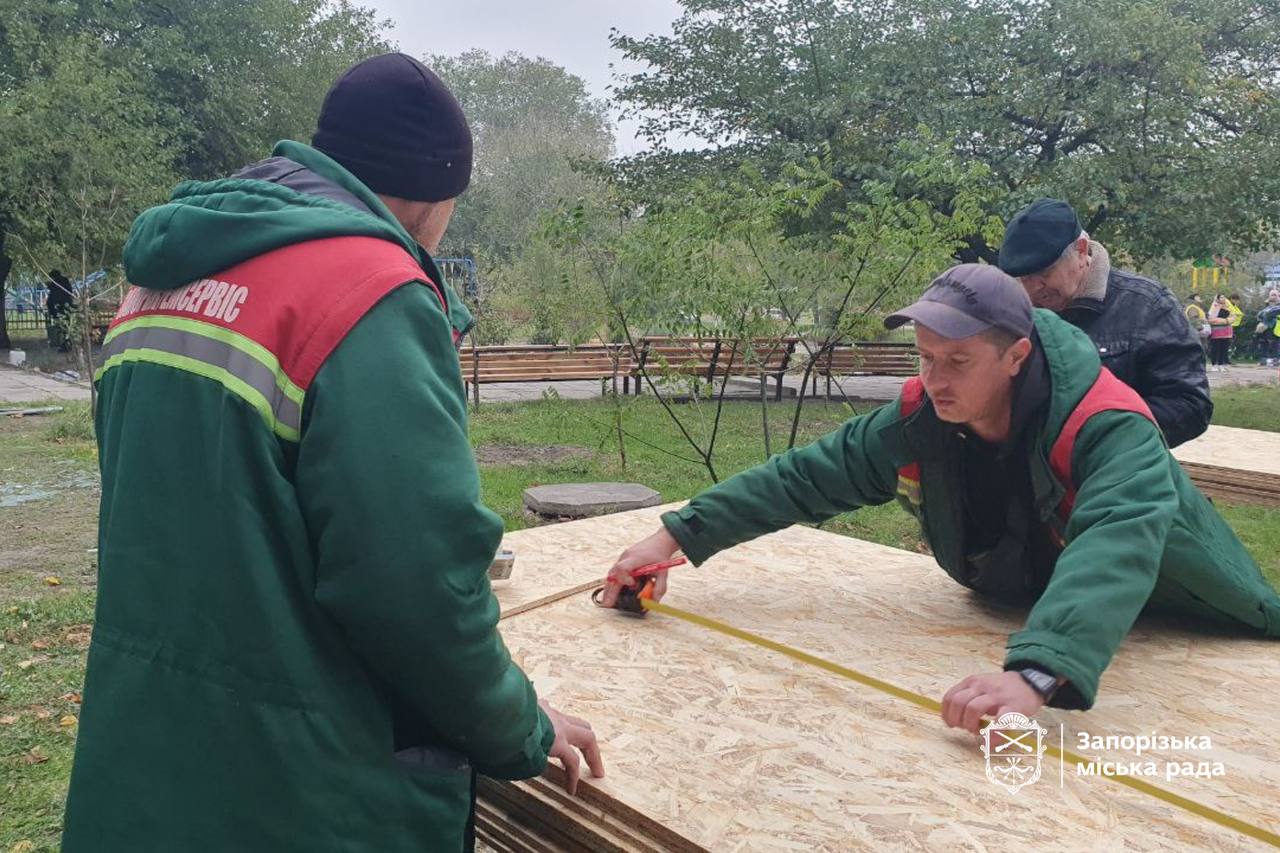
[1036, 477]
[1135, 322]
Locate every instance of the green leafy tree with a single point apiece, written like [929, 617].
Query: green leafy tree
[107, 103]
[84, 135]
[734, 257]
[1159, 120]
[535, 126]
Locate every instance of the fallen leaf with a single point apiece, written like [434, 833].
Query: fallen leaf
[43, 713]
[26, 664]
[72, 697]
[23, 847]
[35, 756]
[53, 581]
[8, 720]
[67, 721]
[40, 645]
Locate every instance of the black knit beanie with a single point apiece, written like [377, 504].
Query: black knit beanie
[395, 126]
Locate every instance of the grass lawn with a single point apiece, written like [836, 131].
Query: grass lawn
[1256, 407]
[653, 449]
[48, 516]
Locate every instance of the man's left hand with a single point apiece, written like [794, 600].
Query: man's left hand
[989, 695]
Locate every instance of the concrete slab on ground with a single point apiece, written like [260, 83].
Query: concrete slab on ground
[585, 500]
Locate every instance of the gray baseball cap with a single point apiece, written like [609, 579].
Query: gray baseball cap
[967, 300]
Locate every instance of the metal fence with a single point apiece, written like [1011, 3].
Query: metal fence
[460, 274]
[26, 316]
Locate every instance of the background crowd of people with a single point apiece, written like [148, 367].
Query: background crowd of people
[1220, 325]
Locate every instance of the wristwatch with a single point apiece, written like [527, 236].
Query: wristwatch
[1044, 683]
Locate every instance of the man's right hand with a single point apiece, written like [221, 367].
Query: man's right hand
[652, 549]
[573, 735]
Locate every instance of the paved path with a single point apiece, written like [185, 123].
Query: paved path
[855, 387]
[1245, 374]
[27, 386]
[24, 386]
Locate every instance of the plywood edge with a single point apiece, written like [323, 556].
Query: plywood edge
[550, 598]
[531, 812]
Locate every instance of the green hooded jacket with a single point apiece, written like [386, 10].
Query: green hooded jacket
[295, 644]
[1140, 532]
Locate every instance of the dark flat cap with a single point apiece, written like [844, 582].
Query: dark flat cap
[1037, 236]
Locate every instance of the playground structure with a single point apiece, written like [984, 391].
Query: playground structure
[1213, 272]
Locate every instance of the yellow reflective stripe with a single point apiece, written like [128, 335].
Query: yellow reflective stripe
[246, 345]
[228, 380]
[909, 489]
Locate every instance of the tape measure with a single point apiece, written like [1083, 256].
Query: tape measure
[1062, 754]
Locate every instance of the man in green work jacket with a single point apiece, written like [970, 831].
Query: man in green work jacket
[295, 645]
[1036, 476]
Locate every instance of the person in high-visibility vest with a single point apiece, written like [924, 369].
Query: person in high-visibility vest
[1237, 313]
[1198, 320]
[1268, 330]
[296, 645]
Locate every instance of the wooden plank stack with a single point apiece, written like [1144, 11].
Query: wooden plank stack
[537, 814]
[1235, 486]
[714, 744]
[1234, 465]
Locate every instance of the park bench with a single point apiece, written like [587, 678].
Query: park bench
[708, 358]
[487, 365]
[866, 358]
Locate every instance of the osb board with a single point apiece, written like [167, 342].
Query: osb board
[557, 557]
[1231, 447]
[735, 747]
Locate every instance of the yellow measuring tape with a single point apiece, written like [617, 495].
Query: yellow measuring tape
[1063, 755]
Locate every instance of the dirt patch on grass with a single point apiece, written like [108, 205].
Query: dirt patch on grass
[48, 511]
[48, 539]
[520, 454]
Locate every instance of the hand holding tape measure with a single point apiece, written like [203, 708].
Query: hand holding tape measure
[630, 599]
[645, 565]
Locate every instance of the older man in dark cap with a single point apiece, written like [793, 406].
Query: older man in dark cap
[1036, 477]
[1136, 323]
[296, 645]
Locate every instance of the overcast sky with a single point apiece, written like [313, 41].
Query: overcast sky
[572, 33]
